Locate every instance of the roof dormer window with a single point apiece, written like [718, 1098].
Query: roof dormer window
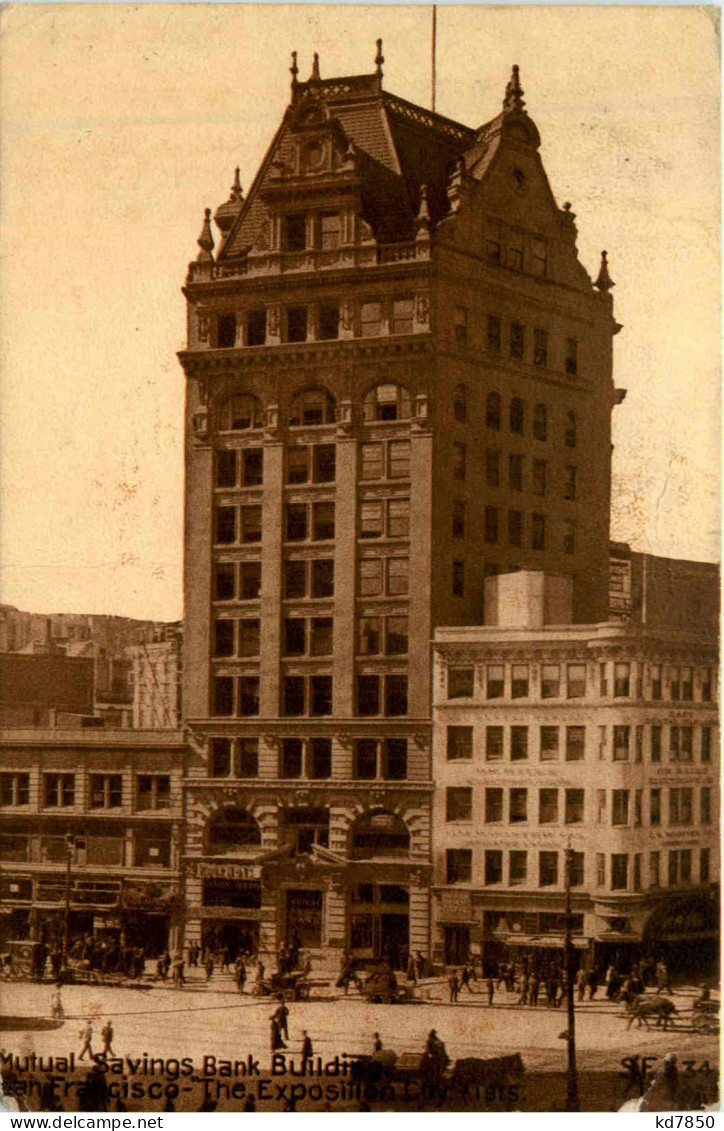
[294, 232]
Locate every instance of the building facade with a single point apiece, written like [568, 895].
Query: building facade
[599, 738]
[118, 796]
[394, 364]
[156, 678]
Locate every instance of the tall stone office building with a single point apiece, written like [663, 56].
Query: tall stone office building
[399, 382]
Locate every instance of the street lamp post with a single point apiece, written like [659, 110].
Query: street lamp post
[69, 846]
[572, 1100]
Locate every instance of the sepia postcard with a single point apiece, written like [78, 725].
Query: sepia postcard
[360, 459]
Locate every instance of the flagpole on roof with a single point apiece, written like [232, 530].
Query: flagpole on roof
[434, 45]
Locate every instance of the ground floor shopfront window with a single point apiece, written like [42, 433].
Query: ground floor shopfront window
[380, 923]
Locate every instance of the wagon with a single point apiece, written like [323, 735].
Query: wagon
[381, 987]
[293, 987]
[705, 1016]
[24, 959]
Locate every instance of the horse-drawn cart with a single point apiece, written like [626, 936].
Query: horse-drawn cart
[292, 987]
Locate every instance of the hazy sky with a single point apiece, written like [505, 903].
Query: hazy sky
[120, 124]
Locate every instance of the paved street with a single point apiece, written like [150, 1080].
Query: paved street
[201, 1021]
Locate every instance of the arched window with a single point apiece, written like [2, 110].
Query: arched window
[517, 414]
[387, 402]
[241, 412]
[570, 435]
[492, 411]
[314, 406]
[379, 833]
[540, 422]
[460, 404]
[231, 829]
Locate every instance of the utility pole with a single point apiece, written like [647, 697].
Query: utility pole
[572, 1100]
[434, 46]
[69, 846]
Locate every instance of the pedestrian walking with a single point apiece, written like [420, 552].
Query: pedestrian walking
[411, 972]
[523, 996]
[86, 1036]
[240, 975]
[56, 1005]
[454, 986]
[376, 1043]
[275, 1036]
[307, 1049]
[533, 988]
[662, 978]
[107, 1038]
[580, 983]
[592, 984]
[465, 979]
[490, 987]
[282, 1015]
[209, 967]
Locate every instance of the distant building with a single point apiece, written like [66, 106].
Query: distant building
[118, 795]
[41, 689]
[601, 737]
[156, 678]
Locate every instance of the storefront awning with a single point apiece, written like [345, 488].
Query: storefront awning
[551, 941]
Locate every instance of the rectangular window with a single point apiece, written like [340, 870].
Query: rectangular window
[322, 635]
[371, 461]
[320, 695]
[493, 866]
[368, 695]
[495, 681]
[249, 636]
[685, 865]
[575, 743]
[549, 744]
[251, 524]
[706, 685]
[492, 467]
[458, 579]
[514, 258]
[493, 333]
[106, 791]
[460, 322]
[654, 869]
[293, 695]
[225, 525]
[247, 755]
[603, 680]
[252, 467]
[656, 744]
[538, 257]
[619, 806]
[256, 328]
[459, 744]
[398, 459]
[621, 743]
[600, 806]
[291, 758]
[547, 869]
[706, 744]
[637, 872]
[323, 577]
[550, 681]
[297, 464]
[14, 789]
[325, 463]
[639, 746]
[295, 579]
[220, 758]
[396, 643]
[295, 636]
[224, 637]
[519, 681]
[686, 752]
[294, 231]
[328, 323]
[704, 865]
[492, 517]
[619, 871]
[518, 744]
[493, 240]
[518, 806]
[458, 865]
[493, 805]
[674, 743]
[576, 681]
[370, 636]
[370, 577]
[223, 695]
[296, 530]
[329, 230]
[539, 476]
[458, 803]
[398, 580]
[249, 695]
[680, 805]
[547, 806]
[518, 866]
[493, 744]
[569, 537]
[515, 472]
[574, 806]
[323, 524]
[320, 758]
[655, 681]
[673, 868]
[458, 519]
[370, 519]
[226, 469]
[58, 790]
[540, 348]
[675, 683]
[297, 324]
[538, 532]
[705, 805]
[687, 687]
[571, 356]
[515, 529]
[394, 759]
[517, 340]
[458, 461]
[365, 765]
[621, 681]
[402, 312]
[395, 695]
[600, 870]
[570, 483]
[398, 518]
[224, 581]
[226, 331]
[371, 319]
[655, 807]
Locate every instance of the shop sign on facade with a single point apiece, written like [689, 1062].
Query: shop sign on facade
[227, 871]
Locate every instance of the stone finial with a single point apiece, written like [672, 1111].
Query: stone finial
[423, 212]
[206, 239]
[604, 282]
[315, 76]
[514, 92]
[294, 71]
[237, 193]
[379, 59]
